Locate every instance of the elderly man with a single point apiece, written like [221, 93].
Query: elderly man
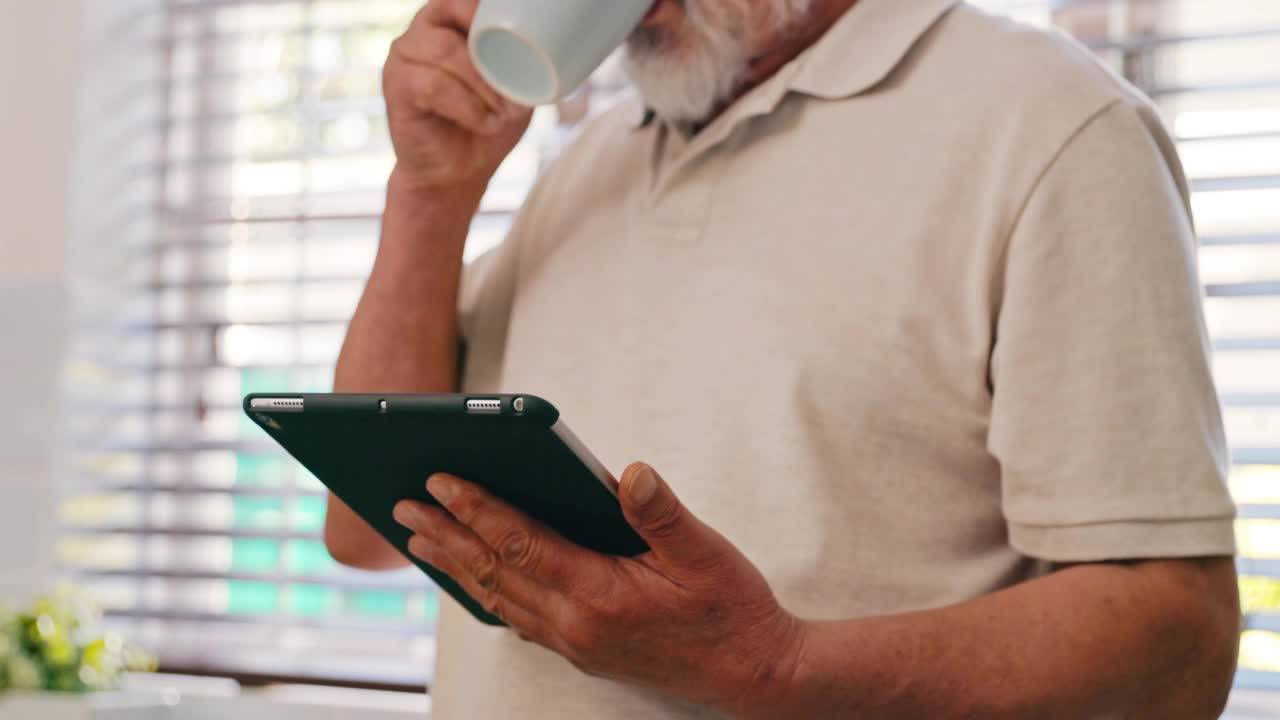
[899, 297]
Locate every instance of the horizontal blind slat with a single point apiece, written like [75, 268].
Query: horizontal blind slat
[339, 581]
[268, 620]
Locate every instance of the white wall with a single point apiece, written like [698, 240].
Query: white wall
[38, 71]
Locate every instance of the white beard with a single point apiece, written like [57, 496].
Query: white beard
[684, 78]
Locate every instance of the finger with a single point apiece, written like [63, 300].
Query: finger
[446, 50]
[455, 550]
[534, 629]
[524, 621]
[456, 14]
[520, 542]
[530, 625]
[666, 525]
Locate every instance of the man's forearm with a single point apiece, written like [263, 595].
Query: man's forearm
[1088, 641]
[404, 335]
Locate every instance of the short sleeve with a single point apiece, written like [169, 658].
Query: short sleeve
[1105, 420]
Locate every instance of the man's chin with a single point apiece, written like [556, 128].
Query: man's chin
[679, 106]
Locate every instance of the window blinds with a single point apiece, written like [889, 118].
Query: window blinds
[237, 157]
[233, 155]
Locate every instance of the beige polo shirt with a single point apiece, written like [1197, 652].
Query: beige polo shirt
[913, 319]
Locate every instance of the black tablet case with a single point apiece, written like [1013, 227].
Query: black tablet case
[373, 455]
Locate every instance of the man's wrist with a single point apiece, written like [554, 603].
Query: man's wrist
[459, 199]
[771, 691]
[425, 224]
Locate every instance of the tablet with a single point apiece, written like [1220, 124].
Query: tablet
[372, 451]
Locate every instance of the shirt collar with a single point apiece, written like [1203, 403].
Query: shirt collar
[865, 46]
[860, 50]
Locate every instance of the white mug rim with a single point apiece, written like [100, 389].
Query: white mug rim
[473, 39]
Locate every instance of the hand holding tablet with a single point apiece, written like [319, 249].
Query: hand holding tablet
[373, 451]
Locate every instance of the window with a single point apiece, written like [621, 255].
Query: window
[230, 184]
[235, 157]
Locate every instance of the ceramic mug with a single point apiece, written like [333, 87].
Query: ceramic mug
[536, 52]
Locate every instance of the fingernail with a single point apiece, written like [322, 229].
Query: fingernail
[403, 513]
[644, 485]
[442, 488]
[492, 124]
[419, 547]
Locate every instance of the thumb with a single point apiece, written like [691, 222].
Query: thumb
[658, 516]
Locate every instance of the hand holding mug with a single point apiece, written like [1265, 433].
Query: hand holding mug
[450, 129]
